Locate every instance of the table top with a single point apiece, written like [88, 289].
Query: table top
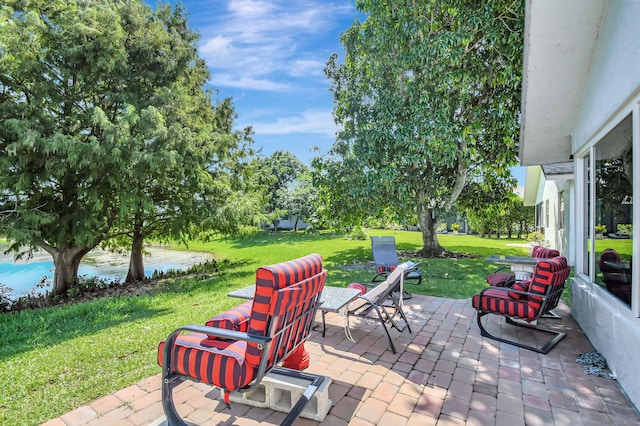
[514, 260]
[332, 298]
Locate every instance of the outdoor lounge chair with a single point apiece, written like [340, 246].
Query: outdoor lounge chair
[385, 255]
[237, 348]
[506, 279]
[526, 301]
[381, 303]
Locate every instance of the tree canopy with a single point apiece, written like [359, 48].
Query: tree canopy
[427, 98]
[105, 126]
[279, 174]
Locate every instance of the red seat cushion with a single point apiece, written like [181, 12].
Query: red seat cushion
[499, 301]
[214, 361]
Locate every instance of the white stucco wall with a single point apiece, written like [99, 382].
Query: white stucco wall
[613, 76]
[612, 88]
[548, 190]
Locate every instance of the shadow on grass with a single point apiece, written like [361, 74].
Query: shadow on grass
[263, 238]
[29, 330]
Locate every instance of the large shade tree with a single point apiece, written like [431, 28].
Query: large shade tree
[278, 174]
[426, 98]
[102, 114]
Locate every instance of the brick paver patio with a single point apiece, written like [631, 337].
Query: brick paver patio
[444, 373]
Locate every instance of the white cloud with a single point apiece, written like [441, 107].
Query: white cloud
[247, 82]
[267, 42]
[310, 121]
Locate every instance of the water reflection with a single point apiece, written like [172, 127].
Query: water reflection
[22, 276]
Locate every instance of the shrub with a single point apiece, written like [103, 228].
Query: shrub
[625, 228]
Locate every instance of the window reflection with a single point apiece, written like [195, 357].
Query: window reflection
[613, 182]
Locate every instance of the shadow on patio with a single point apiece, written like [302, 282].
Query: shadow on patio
[444, 373]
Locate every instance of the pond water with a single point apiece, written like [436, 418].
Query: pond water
[21, 276]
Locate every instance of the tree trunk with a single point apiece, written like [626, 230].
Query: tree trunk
[66, 261]
[430, 245]
[136, 262]
[295, 225]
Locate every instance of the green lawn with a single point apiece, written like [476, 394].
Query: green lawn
[56, 359]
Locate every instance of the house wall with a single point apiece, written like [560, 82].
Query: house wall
[612, 89]
[613, 77]
[549, 190]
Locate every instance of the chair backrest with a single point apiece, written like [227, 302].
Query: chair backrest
[543, 252]
[382, 290]
[548, 278]
[609, 255]
[284, 305]
[384, 251]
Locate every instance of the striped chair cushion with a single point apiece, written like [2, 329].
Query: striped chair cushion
[543, 252]
[520, 286]
[214, 361]
[499, 301]
[270, 279]
[547, 275]
[234, 319]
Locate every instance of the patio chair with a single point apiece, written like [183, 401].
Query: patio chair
[615, 275]
[371, 304]
[385, 255]
[506, 279]
[526, 301]
[239, 347]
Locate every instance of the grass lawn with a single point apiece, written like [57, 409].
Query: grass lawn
[57, 359]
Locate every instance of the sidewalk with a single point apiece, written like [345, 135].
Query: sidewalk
[444, 373]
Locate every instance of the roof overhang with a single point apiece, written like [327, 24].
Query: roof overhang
[560, 38]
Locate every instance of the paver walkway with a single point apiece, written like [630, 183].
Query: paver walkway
[444, 373]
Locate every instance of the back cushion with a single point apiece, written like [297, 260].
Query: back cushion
[547, 273]
[543, 252]
[520, 286]
[270, 279]
[609, 255]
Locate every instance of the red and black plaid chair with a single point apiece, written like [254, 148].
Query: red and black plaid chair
[237, 348]
[506, 279]
[526, 301]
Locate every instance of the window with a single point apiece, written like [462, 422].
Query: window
[612, 216]
[561, 210]
[539, 224]
[546, 213]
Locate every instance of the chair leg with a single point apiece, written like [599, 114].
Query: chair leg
[384, 325]
[398, 310]
[169, 381]
[551, 315]
[557, 336]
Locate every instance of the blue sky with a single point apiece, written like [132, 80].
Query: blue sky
[269, 57]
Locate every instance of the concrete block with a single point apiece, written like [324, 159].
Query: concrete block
[286, 391]
[258, 397]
